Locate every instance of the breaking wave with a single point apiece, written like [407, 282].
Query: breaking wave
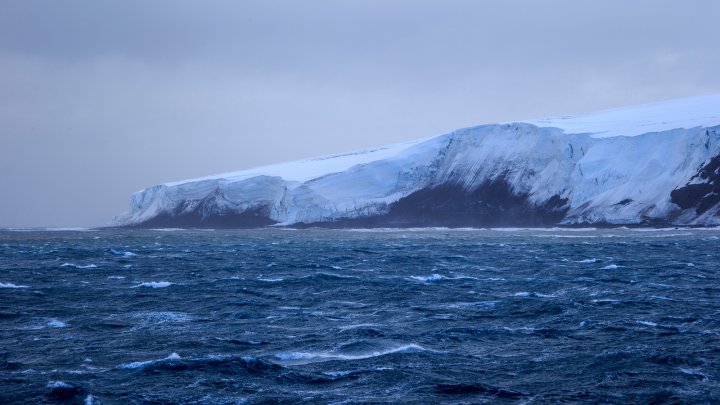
[154, 284]
[316, 357]
[79, 266]
[123, 253]
[402, 317]
[11, 285]
[173, 357]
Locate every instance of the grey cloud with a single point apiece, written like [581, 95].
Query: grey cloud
[100, 99]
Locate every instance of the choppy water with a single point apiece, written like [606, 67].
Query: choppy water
[618, 316]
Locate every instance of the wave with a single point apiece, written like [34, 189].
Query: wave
[298, 358]
[371, 230]
[123, 253]
[612, 267]
[477, 388]
[552, 235]
[154, 284]
[58, 384]
[55, 323]
[437, 277]
[11, 285]
[45, 229]
[474, 304]
[79, 266]
[552, 229]
[471, 229]
[60, 391]
[593, 260]
[695, 373]
[662, 229]
[142, 364]
[533, 294]
[358, 325]
[241, 341]
[668, 235]
[66, 229]
[217, 362]
[429, 279]
[327, 277]
[164, 316]
[605, 301]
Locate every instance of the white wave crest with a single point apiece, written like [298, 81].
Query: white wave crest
[55, 323]
[316, 357]
[11, 285]
[164, 316]
[429, 279]
[58, 384]
[154, 284]
[79, 266]
[123, 253]
[142, 364]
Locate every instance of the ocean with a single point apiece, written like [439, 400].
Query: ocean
[360, 316]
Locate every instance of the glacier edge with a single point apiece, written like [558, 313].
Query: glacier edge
[510, 174]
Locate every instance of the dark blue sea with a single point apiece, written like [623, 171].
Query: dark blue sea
[336, 316]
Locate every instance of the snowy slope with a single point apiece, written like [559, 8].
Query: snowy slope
[308, 169]
[650, 164]
[685, 113]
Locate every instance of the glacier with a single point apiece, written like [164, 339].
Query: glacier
[650, 165]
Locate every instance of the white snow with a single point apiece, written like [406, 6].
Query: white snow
[693, 112]
[308, 169]
[616, 166]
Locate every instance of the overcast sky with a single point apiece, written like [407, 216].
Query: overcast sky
[99, 99]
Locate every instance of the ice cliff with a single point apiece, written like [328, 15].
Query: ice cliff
[651, 165]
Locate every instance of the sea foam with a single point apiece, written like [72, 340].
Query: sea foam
[142, 364]
[429, 279]
[154, 284]
[11, 285]
[316, 357]
[54, 323]
[123, 253]
[79, 266]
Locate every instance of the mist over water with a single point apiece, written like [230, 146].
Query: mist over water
[532, 316]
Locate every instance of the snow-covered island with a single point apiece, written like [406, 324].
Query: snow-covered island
[649, 165]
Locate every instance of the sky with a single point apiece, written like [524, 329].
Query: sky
[99, 99]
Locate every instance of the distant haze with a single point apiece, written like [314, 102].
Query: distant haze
[102, 98]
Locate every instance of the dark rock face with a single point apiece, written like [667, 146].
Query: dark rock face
[701, 196]
[253, 218]
[213, 211]
[492, 204]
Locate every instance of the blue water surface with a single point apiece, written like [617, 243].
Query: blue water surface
[341, 316]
